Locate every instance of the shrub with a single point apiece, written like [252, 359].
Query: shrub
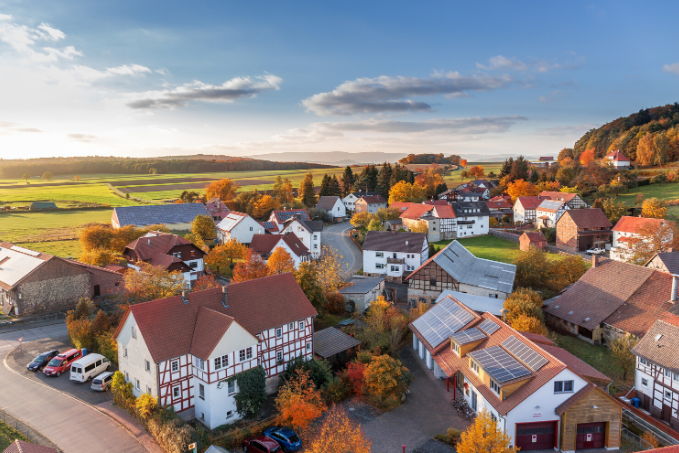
[173, 435]
[335, 304]
[355, 372]
[251, 391]
[385, 379]
[146, 406]
[320, 371]
[335, 390]
[451, 437]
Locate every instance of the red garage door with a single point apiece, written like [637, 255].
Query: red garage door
[591, 435]
[535, 436]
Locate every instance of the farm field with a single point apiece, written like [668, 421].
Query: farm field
[454, 178]
[492, 248]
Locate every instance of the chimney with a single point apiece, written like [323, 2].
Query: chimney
[148, 241]
[670, 250]
[675, 283]
[406, 243]
[185, 297]
[225, 296]
[595, 260]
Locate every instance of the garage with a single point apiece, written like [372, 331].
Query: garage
[536, 436]
[591, 435]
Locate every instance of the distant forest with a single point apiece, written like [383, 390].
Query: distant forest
[84, 165]
[624, 134]
[430, 159]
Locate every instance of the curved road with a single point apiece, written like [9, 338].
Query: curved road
[71, 424]
[337, 237]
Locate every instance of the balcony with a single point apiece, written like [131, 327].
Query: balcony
[396, 260]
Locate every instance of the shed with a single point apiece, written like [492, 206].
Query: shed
[42, 205]
[330, 342]
[528, 240]
[362, 291]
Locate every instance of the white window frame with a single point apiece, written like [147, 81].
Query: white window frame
[241, 355]
[279, 332]
[174, 364]
[291, 326]
[147, 366]
[644, 382]
[201, 391]
[137, 384]
[301, 325]
[231, 387]
[124, 351]
[176, 392]
[308, 346]
[248, 353]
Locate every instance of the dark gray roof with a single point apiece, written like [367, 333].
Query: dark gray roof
[669, 261]
[660, 345]
[313, 225]
[471, 209]
[360, 285]
[327, 203]
[159, 214]
[387, 241]
[464, 267]
[330, 341]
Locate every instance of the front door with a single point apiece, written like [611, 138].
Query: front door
[590, 435]
[666, 413]
[474, 401]
[535, 436]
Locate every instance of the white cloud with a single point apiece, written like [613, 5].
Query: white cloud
[4, 17]
[162, 71]
[87, 74]
[131, 70]
[53, 33]
[388, 94]
[68, 53]
[500, 62]
[229, 91]
[671, 68]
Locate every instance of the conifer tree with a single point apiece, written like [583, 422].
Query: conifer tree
[347, 181]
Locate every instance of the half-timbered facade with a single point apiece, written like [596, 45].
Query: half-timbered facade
[183, 349]
[573, 200]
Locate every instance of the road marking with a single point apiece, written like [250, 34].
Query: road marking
[8, 346]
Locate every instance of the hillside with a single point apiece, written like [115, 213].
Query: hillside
[625, 133]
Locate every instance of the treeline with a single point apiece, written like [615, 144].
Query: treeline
[78, 165]
[660, 124]
[430, 159]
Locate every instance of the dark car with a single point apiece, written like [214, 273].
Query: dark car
[42, 360]
[261, 444]
[285, 437]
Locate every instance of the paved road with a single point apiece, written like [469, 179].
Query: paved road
[337, 237]
[72, 425]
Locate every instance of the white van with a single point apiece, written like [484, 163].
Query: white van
[88, 367]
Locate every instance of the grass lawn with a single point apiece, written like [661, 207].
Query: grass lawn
[492, 248]
[63, 249]
[599, 357]
[8, 434]
[665, 192]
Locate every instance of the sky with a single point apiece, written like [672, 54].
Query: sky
[150, 78]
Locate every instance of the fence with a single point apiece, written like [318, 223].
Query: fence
[31, 434]
[631, 442]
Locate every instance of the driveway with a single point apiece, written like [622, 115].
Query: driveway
[68, 422]
[426, 412]
[337, 237]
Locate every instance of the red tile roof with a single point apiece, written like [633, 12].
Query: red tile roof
[20, 446]
[535, 237]
[265, 244]
[531, 203]
[444, 212]
[436, 202]
[401, 205]
[617, 156]
[558, 196]
[156, 242]
[415, 211]
[588, 218]
[670, 449]
[211, 326]
[537, 338]
[628, 224]
[498, 203]
[574, 363]
[168, 325]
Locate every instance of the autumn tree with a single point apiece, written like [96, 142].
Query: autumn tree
[524, 302]
[299, 402]
[250, 268]
[521, 188]
[330, 269]
[653, 208]
[566, 271]
[100, 257]
[76, 178]
[189, 196]
[386, 380]
[100, 324]
[280, 261]
[283, 191]
[529, 324]
[221, 256]
[385, 328]
[224, 189]
[204, 227]
[614, 210]
[152, 283]
[338, 434]
[264, 206]
[621, 349]
[651, 239]
[405, 191]
[306, 191]
[47, 176]
[419, 227]
[587, 157]
[463, 163]
[387, 214]
[197, 241]
[532, 268]
[429, 180]
[476, 172]
[645, 150]
[484, 436]
[26, 176]
[205, 282]
[375, 225]
[307, 279]
[361, 219]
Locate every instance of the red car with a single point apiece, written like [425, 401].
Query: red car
[261, 444]
[62, 362]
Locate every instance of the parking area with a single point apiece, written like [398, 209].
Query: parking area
[27, 352]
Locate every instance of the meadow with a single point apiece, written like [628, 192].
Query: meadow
[667, 192]
[492, 248]
[454, 178]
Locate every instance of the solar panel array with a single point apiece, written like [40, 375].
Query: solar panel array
[489, 326]
[443, 320]
[468, 336]
[527, 355]
[269, 225]
[298, 213]
[499, 364]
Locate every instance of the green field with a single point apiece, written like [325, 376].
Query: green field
[665, 192]
[492, 248]
[454, 178]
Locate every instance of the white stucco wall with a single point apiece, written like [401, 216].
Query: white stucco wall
[370, 260]
[137, 353]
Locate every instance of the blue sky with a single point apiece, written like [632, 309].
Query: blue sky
[242, 78]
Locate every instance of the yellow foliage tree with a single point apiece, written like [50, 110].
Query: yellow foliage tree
[484, 436]
[521, 188]
[100, 257]
[280, 261]
[329, 269]
[299, 402]
[204, 227]
[338, 434]
[264, 206]
[653, 208]
[419, 227]
[529, 324]
[645, 150]
[225, 189]
[404, 191]
[219, 258]
[152, 283]
[361, 219]
[386, 379]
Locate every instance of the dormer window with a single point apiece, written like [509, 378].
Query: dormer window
[456, 348]
[494, 386]
[474, 366]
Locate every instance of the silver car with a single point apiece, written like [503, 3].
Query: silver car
[102, 381]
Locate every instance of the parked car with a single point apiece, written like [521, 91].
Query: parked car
[88, 367]
[261, 444]
[595, 251]
[285, 437]
[102, 381]
[40, 361]
[62, 362]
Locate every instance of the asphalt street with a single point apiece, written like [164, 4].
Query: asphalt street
[71, 424]
[337, 237]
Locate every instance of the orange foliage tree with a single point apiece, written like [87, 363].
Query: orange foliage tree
[299, 402]
[280, 261]
[338, 434]
[476, 172]
[588, 156]
[484, 436]
[205, 282]
[152, 283]
[225, 189]
[385, 380]
[355, 372]
[463, 163]
[264, 206]
[220, 257]
[250, 268]
[521, 188]
[529, 324]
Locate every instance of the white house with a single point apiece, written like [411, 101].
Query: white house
[239, 226]
[183, 349]
[627, 231]
[333, 206]
[281, 216]
[471, 218]
[393, 254]
[308, 232]
[370, 204]
[351, 199]
[549, 212]
[524, 208]
[265, 244]
[618, 160]
[541, 396]
[573, 200]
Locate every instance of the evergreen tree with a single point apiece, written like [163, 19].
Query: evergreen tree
[347, 181]
[506, 168]
[441, 188]
[325, 186]
[334, 187]
[534, 176]
[384, 180]
[519, 169]
[306, 191]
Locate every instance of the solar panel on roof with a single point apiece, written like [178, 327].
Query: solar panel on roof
[524, 353]
[439, 323]
[489, 326]
[468, 336]
[499, 364]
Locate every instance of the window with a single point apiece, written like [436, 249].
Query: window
[175, 392]
[279, 356]
[668, 395]
[229, 414]
[241, 355]
[667, 373]
[495, 386]
[379, 266]
[124, 352]
[456, 348]
[231, 387]
[475, 367]
[177, 255]
[315, 237]
[134, 332]
[315, 246]
[642, 361]
[563, 386]
[147, 366]
[308, 346]
[127, 377]
[221, 362]
[250, 228]
[675, 376]
[301, 325]
[279, 333]
[291, 326]
[193, 265]
[201, 391]
[379, 254]
[248, 352]
[432, 281]
[148, 389]
[394, 268]
[137, 385]
[644, 382]
[175, 365]
[200, 364]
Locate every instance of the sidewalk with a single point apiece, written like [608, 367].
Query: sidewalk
[130, 424]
